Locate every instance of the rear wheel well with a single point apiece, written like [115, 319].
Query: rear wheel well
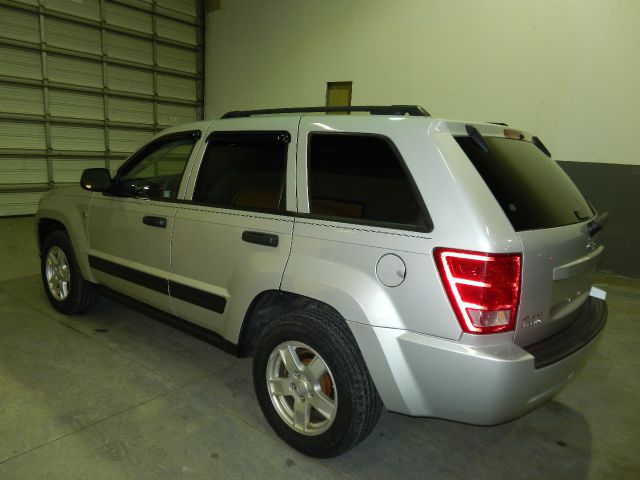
[269, 306]
[45, 227]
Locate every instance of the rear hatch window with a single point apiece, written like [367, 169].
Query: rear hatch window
[531, 188]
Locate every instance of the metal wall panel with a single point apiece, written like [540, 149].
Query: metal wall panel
[23, 170]
[127, 141]
[75, 105]
[185, 6]
[74, 71]
[127, 79]
[72, 36]
[89, 9]
[175, 30]
[22, 135]
[22, 203]
[176, 58]
[130, 111]
[175, 114]
[84, 83]
[171, 86]
[125, 47]
[21, 99]
[127, 17]
[140, 4]
[20, 62]
[76, 138]
[20, 25]
[68, 170]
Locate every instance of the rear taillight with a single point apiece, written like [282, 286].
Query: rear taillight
[483, 288]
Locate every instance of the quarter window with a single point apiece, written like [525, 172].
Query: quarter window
[244, 170]
[361, 178]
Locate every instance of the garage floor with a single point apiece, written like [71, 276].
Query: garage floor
[117, 395]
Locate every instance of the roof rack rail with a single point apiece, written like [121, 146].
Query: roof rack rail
[412, 110]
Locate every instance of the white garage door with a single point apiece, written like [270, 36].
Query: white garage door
[84, 82]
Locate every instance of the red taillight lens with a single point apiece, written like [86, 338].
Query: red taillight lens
[483, 288]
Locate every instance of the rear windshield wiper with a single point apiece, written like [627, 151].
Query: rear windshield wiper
[538, 143]
[476, 136]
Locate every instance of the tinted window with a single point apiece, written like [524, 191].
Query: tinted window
[157, 170]
[532, 189]
[360, 177]
[243, 171]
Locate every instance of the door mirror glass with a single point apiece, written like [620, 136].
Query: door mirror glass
[96, 179]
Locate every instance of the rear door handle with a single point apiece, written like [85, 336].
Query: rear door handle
[268, 239]
[159, 222]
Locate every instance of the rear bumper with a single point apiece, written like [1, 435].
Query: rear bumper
[571, 339]
[425, 376]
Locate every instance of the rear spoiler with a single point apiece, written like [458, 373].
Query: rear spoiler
[477, 137]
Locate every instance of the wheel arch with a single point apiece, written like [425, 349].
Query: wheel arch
[266, 307]
[45, 227]
[48, 222]
[269, 305]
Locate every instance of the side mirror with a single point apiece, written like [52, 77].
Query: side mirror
[96, 179]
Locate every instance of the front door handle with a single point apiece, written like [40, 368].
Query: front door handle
[159, 222]
[268, 239]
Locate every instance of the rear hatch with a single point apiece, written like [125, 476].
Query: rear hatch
[560, 256]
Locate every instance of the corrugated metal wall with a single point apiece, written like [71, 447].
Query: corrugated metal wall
[83, 83]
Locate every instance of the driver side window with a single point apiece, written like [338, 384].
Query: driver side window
[157, 170]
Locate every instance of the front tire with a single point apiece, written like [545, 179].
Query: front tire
[313, 385]
[66, 288]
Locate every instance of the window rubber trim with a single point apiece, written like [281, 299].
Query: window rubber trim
[355, 222]
[284, 213]
[258, 136]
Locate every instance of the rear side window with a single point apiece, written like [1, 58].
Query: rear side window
[361, 178]
[532, 189]
[244, 170]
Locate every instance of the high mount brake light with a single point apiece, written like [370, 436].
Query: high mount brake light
[483, 288]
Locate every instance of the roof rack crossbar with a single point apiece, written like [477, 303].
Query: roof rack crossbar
[412, 110]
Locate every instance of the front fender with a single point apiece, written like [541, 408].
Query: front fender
[70, 207]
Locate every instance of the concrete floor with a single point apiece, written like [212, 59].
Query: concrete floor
[117, 395]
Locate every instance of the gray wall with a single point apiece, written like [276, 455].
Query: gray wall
[615, 189]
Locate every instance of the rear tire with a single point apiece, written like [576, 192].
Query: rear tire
[66, 288]
[313, 385]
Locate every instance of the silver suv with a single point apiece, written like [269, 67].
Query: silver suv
[384, 257]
